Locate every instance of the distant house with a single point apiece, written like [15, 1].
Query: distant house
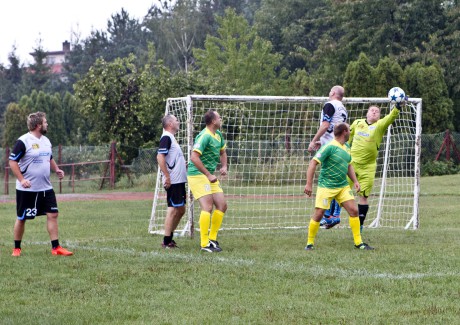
[56, 59]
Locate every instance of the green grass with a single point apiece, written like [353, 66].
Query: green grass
[120, 275]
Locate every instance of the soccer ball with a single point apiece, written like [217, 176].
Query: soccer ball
[396, 95]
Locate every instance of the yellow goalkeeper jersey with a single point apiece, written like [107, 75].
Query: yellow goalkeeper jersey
[365, 139]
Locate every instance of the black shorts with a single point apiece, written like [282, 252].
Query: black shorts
[176, 195]
[32, 204]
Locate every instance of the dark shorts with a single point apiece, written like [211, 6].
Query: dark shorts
[32, 204]
[176, 195]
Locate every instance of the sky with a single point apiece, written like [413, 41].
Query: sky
[24, 22]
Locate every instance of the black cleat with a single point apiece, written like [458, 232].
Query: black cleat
[364, 246]
[215, 244]
[171, 245]
[209, 249]
[309, 247]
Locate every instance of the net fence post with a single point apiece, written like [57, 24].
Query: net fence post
[414, 221]
[376, 221]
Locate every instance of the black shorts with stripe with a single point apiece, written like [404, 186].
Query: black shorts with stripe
[176, 195]
[32, 204]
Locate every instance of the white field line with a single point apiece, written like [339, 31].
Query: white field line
[222, 259]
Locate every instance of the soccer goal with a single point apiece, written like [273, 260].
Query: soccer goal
[267, 140]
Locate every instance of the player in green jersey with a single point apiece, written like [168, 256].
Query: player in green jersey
[365, 138]
[208, 152]
[335, 160]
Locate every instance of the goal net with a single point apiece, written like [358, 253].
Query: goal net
[267, 140]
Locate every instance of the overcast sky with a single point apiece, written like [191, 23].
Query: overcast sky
[24, 22]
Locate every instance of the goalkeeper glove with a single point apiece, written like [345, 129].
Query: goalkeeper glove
[402, 103]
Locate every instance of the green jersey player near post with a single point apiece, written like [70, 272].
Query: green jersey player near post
[208, 151]
[365, 138]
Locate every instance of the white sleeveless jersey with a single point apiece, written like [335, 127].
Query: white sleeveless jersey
[175, 160]
[333, 112]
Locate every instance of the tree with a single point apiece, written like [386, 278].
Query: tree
[294, 25]
[124, 104]
[175, 29]
[10, 79]
[75, 127]
[124, 36]
[388, 74]
[237, 61]
[428, 83]
[38, 74]
[109, 94]
[359, 78]
[14, 124]
[445, 45]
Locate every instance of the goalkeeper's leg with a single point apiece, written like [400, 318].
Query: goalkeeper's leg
[366, 180]
[363, 207]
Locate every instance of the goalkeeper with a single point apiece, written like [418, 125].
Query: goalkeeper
[365, 138]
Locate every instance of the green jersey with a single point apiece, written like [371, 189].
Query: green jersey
[365, 139]
[334, 159]
[209, 146]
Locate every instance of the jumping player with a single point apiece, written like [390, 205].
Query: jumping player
[365, 138]
[333, 112]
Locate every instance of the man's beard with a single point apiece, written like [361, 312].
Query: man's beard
[43, 131]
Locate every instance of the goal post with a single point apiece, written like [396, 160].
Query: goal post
[267, 140]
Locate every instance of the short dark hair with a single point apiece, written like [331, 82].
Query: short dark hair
[209, 116]
[340, 128]
[166, 120]
[35, 119]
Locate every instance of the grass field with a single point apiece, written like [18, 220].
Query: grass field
[120, 275]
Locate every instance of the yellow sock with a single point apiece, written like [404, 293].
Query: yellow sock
[216, 222]
[205, 221]
[312, 231]
[355, 229]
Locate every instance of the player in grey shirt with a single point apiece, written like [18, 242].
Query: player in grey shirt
[174, 176]
[31, 161]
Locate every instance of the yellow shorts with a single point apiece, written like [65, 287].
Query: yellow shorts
[365, 175]
[201, 186]
[324, 196]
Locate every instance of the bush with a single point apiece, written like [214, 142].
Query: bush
[438, 168]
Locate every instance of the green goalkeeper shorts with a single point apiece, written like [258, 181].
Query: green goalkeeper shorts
[366, 176]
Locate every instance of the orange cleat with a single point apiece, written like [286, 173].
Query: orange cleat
[60, 251]
[16, 252]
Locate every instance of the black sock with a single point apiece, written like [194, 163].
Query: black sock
[362, 212]
[167, 239]
[17, 244]
[55, 243]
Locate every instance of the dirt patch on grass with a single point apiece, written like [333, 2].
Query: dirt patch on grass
[112, 196]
